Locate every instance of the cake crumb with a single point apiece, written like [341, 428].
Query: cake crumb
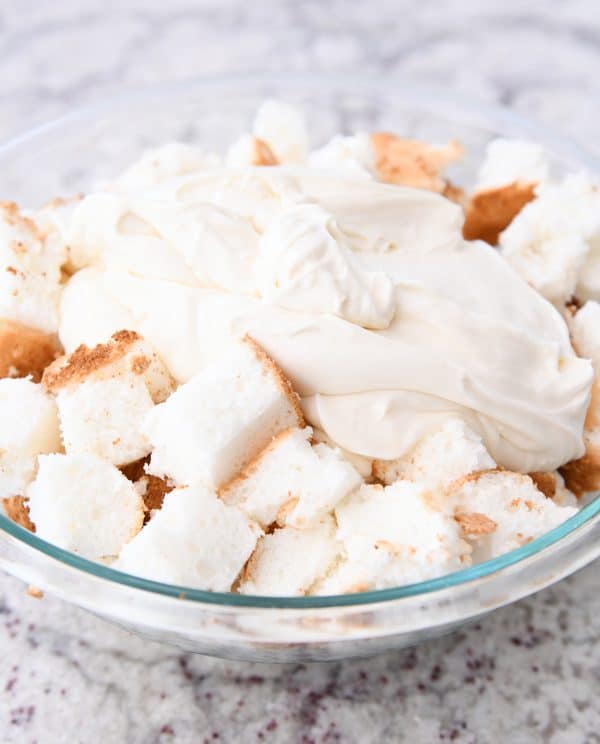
[475, 523]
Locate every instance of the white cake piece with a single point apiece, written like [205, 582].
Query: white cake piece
[30, 270]
[500, 511]
[362, 464]
[283, 128]
[393, 536]
[220, 420]
[104, 393]
[585, 333]
[84, 504]
[352, 155]
[193, 540]
[553, 241]
[291, 482]
[89, 313]
[439, 458]
[249, 150]
[508, 161]
[28, 428]
[164, 163]
[289, 561]
[55, 217]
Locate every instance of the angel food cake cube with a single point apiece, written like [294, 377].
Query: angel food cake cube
[283, 128]
[84, 504]
[499, 511]
[507, 179]
[193, 540]
[439, 458]
[288, 562]
[104, 393]
[30, 275]
[393, 536]
[291, 482]
[552, 241]
[216, 423]
[28, 427]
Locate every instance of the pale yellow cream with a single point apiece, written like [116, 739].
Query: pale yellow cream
[384, 318]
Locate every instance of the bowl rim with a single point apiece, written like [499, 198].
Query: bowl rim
[425, 97]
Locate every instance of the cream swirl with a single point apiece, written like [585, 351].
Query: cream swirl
[384, 318]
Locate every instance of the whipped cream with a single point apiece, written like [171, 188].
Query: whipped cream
[385, 320]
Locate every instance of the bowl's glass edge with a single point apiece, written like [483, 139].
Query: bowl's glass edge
[422, 95]
[586, 515]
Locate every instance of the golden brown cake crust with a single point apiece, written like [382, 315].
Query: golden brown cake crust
[133, 471]
[545, 482]
[282, 381]
[409, 162]
[156, 490]
[16, 509]
[455, 194]
[475, 523]
[263, 155]
[26, 351]
[251, 467]
[83, 361]
[583, 475]
[491, 211]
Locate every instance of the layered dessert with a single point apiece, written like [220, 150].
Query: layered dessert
[287, 370]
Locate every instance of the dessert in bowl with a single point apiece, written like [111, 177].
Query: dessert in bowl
[301, 373]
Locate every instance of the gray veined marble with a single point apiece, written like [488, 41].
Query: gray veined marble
[528, 673]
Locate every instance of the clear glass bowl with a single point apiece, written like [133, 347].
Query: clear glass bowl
[93, 144]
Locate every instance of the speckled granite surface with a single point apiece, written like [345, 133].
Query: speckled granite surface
[528, 673]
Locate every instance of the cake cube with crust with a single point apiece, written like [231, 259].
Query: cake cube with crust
[84, 504]
[104, 393]
[193, 540]
[28, 427]
[393, 536]
[220, 420]
[361, 463]
[250, 150]
[291, 482]
[438, 458]
[553, 486]
[506, 182]
[552, 242]
[509, 161]
[283, 128]
[289, 561]
[500, 510]
[30, 271]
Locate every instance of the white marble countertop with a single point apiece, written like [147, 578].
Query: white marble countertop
[527, 673]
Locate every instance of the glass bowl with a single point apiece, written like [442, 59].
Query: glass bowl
[93, 144]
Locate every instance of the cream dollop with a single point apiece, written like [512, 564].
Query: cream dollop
[385, 319]
[306, 264]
